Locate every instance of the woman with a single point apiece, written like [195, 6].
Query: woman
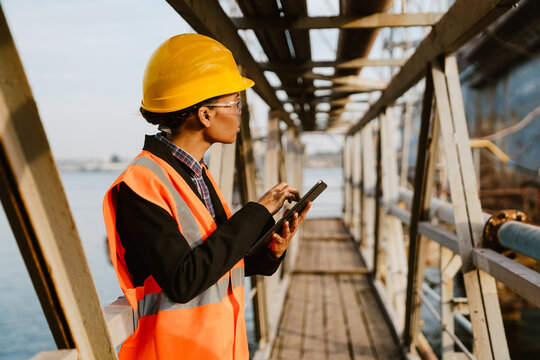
[179, 254]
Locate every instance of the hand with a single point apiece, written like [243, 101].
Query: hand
[279, 244]
[275, 197]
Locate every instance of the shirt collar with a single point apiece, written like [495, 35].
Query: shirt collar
[183, 156]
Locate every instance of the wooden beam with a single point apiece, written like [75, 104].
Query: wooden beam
[421, 198]
[364, 61]
[208, 18]
[376, 20]
[38, 211]
[460, 23]
[119, 316]
[291, 66]
[486, 319]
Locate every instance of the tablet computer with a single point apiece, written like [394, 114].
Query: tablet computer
[315, 191]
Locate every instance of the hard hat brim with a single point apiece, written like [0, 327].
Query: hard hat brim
[244, 84]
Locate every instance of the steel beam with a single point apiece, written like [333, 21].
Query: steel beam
[376, 20]
[208, 18]
[461, 22]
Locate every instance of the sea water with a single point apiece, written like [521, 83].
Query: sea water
[23, 328]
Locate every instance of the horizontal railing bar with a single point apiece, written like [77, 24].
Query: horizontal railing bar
[119, 317]
[65, 354]
[351, 271]
[440, 209]
[436, 315]
[444, 237]
[522, 280]
[521, 237]
[462, 320]
[401, 213]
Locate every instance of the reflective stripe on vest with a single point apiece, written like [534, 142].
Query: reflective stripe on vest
[188, 223]
[153, 303]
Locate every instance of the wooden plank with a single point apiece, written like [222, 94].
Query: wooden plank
[208, 18]
[314, 344]
[38, 211]
[328, 271]
[383, 342]
[355, 317]
[376, 20]
[337, 343]
[292, 325]
[459, 24]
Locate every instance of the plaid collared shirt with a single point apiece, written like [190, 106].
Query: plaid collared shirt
[196, 171]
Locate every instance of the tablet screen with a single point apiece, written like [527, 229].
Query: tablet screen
[315, 191]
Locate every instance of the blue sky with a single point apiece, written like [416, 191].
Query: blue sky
[84, 61]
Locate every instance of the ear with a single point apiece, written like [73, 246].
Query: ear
[205, 115]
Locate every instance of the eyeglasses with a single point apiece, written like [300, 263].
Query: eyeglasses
[236, 103]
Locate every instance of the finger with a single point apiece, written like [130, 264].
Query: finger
[286, 230]
[294, 192]
[304, 212]
[295, 220]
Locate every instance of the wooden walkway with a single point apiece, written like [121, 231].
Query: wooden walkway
[330, 311]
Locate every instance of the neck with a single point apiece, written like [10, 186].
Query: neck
[191, 142]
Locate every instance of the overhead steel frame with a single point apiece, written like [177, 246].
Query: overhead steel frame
[208, 18]
[459, 250]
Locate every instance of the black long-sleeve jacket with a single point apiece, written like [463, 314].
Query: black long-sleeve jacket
[154, 245]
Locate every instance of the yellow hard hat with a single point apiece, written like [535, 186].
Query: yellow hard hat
[187, 69]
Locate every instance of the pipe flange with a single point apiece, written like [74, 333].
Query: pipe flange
[492, 226]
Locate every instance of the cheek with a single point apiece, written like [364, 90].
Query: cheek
[224, 130]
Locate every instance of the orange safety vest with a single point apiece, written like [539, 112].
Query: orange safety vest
[210, 326]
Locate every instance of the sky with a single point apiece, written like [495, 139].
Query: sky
[85, 60]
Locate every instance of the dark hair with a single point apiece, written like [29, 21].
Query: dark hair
[175, 119]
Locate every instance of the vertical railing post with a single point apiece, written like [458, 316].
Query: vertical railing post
[222, 160]
[245, 164]
[423, 184]
[292, 163]
[450, 264]
[356, 187]
[347, 190]
[368, 194]
[392, 230]
[486, 319]
[273, 174]
[406, 143]
[379, 255]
